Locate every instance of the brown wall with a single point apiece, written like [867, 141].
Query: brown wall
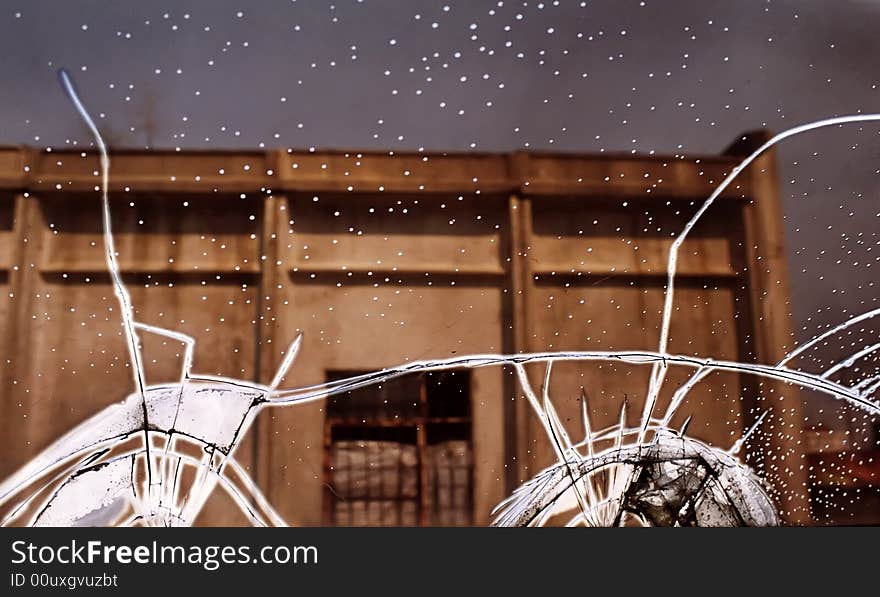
[401, 257]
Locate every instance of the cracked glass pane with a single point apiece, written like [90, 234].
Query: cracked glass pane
[512, 332]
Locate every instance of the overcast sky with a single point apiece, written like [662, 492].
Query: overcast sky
[682, 77]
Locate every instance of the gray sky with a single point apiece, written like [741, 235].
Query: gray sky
[670, 77]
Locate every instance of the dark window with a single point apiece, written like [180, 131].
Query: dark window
[399, 453]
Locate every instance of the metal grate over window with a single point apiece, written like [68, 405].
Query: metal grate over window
[400, 453]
